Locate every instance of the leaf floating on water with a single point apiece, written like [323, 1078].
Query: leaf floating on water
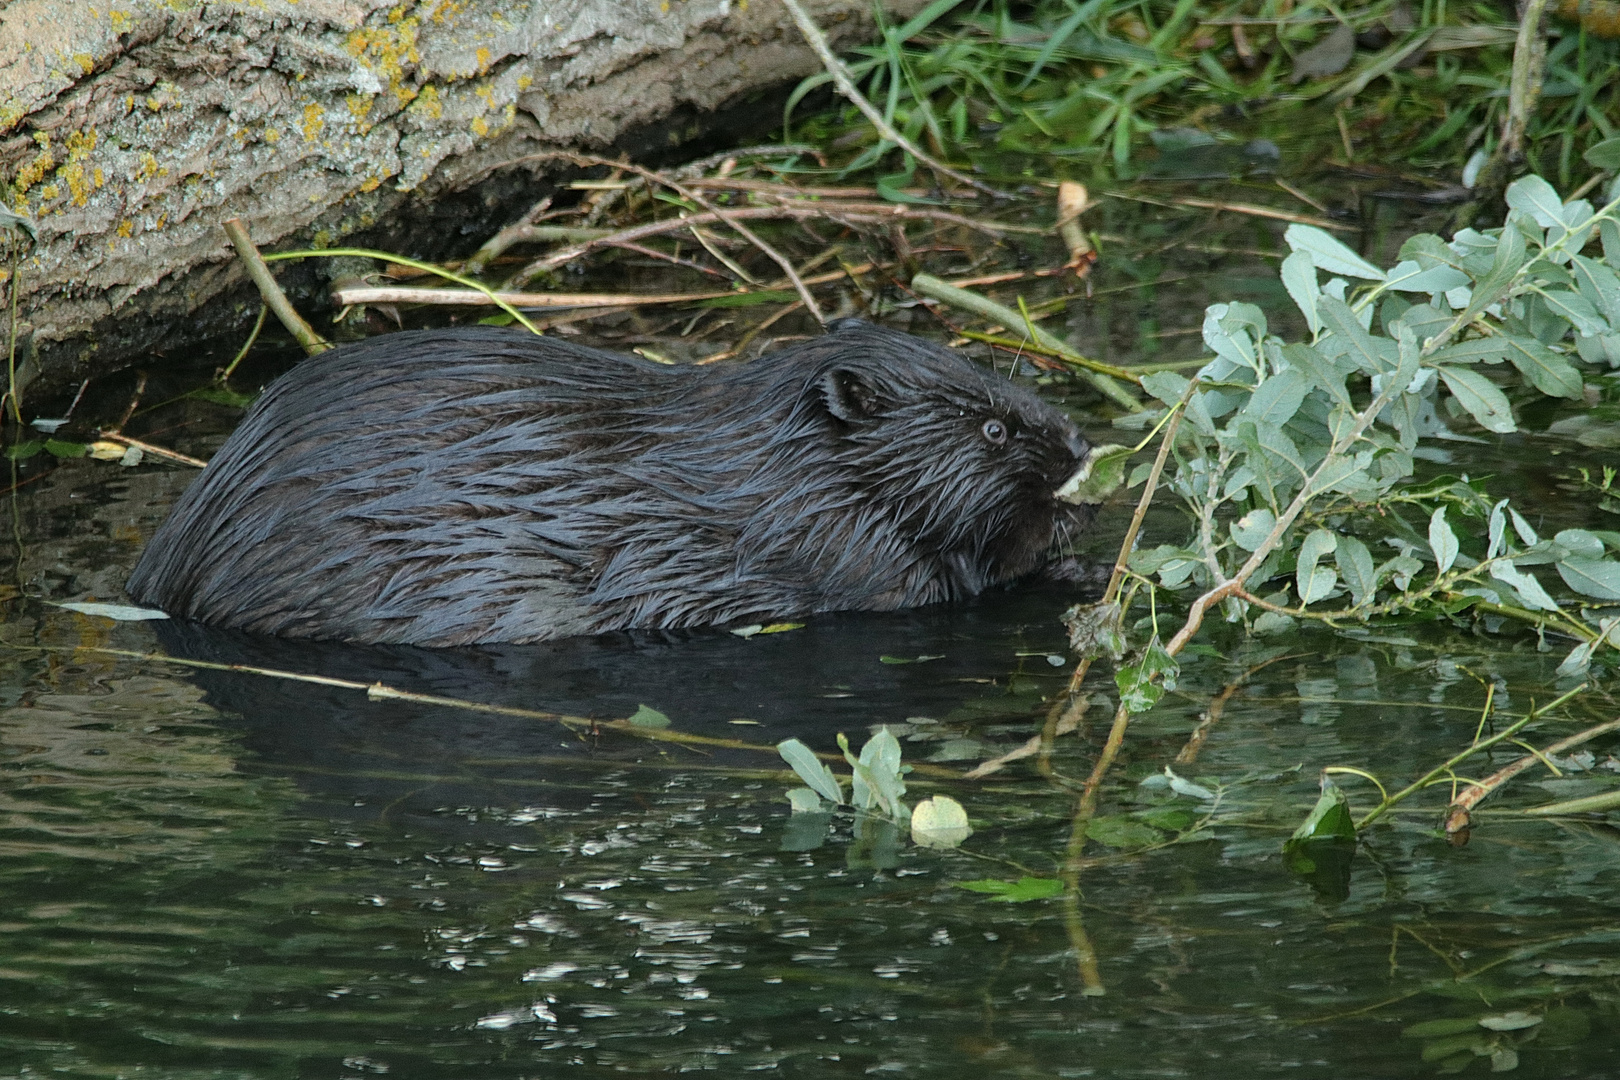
[939, 822]
[648, 717]
[1015, 892]
[910, 659]
[781, 627]
[1329, 819]
[117, 612]
[1186, 787]
[811, 769]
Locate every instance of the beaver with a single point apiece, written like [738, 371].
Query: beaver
[480, 485]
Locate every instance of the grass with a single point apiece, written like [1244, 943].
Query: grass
[1089, 84]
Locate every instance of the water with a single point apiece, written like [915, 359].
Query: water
[223, 874]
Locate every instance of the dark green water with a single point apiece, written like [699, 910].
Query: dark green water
[212, 874]
[226, 875]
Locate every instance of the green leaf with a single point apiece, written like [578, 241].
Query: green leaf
[1315, 582]
[1276, 400]
[24, 450]
[1167, 386]
[1530, 592]
[1484, 402]
[1497, 527]
[1599, 284]
[1299, 278]
[1021, 891]
[1442, 541]
[1099, 476]
[1548, 371]
[1319, 369]
[61, 448]
[1329, 819]
[876, 783]
[1577, 310]
[1599, 578]
[939, 822]
[925, 658]
[1356, 568]
[1580, 543]
[1329, 254]
[1485, 350]
[811, 770]
[1409, 276]
[1251, 530]
[1506, 265]
[804, 801]
[648, 717]
[1142, 684]
[1338, 318]
[1534, 196]
[1604, 155]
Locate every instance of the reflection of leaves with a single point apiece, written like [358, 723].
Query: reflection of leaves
[1015, 892]
[1120, 831]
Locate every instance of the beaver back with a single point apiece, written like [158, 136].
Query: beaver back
[482, 485]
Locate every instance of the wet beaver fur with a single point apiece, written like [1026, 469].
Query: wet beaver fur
[473, 485]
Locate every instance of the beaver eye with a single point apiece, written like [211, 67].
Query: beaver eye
[994, 431]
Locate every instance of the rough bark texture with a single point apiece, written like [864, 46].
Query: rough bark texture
[130, 129]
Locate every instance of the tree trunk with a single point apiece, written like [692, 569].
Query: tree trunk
[130, 131]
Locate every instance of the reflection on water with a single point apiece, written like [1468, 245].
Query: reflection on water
[218, 874]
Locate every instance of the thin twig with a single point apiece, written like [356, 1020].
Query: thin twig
[150, 450]
[1470, 797]
[729, 218]
[274, 298]
[372, 294]
[225, 372]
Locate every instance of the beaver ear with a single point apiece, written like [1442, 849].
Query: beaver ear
[850, 395]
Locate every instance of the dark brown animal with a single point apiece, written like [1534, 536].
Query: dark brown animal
[481, 485]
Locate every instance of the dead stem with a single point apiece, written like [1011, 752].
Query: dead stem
[150, 450]
[726, 217]
[1457, 816]
[371, 294]
[259, 271]
[377, 691]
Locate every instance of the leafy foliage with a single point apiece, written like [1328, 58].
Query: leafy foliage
[1095, 81]
[1297, 461]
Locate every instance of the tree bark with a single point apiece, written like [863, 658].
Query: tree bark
[130, 131]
